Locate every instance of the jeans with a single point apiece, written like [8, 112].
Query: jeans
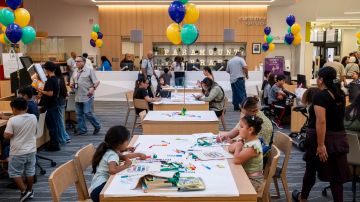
[151, 94]
[179, 81]
[64, 135]
[238, 92]
[84, 109]
[95, 194]
[52, 119]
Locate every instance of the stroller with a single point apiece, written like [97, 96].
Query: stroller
[299, 137]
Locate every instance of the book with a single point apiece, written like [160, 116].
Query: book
[190, 184]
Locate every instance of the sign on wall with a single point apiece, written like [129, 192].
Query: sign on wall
[11, 63]
[275, 65]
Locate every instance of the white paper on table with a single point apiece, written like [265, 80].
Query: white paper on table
[175, 116]
[211, 139]
[212, 153]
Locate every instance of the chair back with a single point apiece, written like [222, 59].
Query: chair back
[258, 91]
[141, 104]
[269, 171]
[354, 149]
[284, 143]
[129, 98]
[83, 159]
[142, 115]
[62, 178]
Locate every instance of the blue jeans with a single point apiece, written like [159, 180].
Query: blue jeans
[84, 109]
[95, 194]
[64, 135]
[52, 119]
[238, 92]
[179, 81]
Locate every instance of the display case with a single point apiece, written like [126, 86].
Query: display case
[214, 55]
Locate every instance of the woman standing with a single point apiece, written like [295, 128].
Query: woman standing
[106, 65]
[351, 67]
[326, 145]
[179, 68]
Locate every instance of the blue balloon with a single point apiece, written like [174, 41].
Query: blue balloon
[100, 35]
[267, 30]
[92, 43]
[177, 11]
[290, 20]
[14, 33]
[265, 47]
[289, 38]
[14, 4]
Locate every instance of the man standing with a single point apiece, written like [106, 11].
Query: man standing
[148, 70]
[339, 68]
[237, 68]
[84, 83]
[88, 62]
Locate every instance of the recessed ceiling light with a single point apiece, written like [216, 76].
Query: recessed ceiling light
[352, 13]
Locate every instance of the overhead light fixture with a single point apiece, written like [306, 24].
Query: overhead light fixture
[193, 1]
[337, 19]
[352, 13]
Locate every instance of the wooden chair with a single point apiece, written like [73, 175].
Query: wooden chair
[62, 178]
[142, 115]
[222, 117]
[83, 159]
[270, 169]
[129, 101]
[284, 144]
[139, 104]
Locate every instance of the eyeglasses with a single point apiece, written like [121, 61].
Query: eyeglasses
[79, 61]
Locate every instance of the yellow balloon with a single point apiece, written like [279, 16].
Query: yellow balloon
[265, 38]
[297, 39]
[271, 47]
[192, 13]
[358, 42]
[3, 28]
[173, 33]
[22, 17]
[295, 29]
[94, 36]
[2, 38]
[99, 43]
[358, 35]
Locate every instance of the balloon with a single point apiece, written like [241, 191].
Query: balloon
[267, 30]
[96, 28]
[192, 13]
[289, 29]
[265, 47]
[271, 47]
[94, 36]
[297, 39]
[189, 34]
[92, 43]
[290, 20]
[295, 29]
[269, 39]
[22, 17]
[100, 35]
[29, 35]
[6, 17]
[265, 36]
[184, 1]
[358, 35]
[14, 33]
[99, 43]
[2, 38]
[3, 28]
[289, 38]
[177, 11]
[14, 4]
[173, 33]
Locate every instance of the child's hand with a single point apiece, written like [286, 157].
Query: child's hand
[127, 162]
[221, 138]
[142, 156]
[130, 149]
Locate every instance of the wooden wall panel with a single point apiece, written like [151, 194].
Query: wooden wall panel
[116, 22]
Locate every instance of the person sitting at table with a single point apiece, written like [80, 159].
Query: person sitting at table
[160, 86]
[207, 73]
[248, 150]
[250, 107]
[214, 94]
[106, 64]
[127, 60]
[109, 160]
[266, 87]
[141, 92]
[352, 116]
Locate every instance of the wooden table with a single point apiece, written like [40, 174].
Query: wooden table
[187, 90]
[243, 184]
[176, 103]
[170, 122]
[3, 122]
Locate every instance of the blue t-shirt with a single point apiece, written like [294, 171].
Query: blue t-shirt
[106, 66]
[33, 108]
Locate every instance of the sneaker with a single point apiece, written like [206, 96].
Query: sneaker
[68, 141]
[31, 196]
[80, 134]
[24, 196]
[277, 124]
[96, 131]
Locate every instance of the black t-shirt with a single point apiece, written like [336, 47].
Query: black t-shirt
[141, 93]
[51, 85]
[334, 113]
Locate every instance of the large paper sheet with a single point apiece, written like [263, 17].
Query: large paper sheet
[213, 173]
[178, 98]
[176, 116]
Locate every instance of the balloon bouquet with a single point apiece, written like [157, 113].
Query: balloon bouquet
[268, 45]
[188, 13]
[358, 38]
[14, 21]
[96, 37]
[293, 37]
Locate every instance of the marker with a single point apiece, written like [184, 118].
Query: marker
[160, 145]
[207, 167]
[165, 142]
[136, 146]
[174, 155]
[124, 176]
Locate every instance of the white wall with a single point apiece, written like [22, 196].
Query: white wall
[61, 19]
[348, 44]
